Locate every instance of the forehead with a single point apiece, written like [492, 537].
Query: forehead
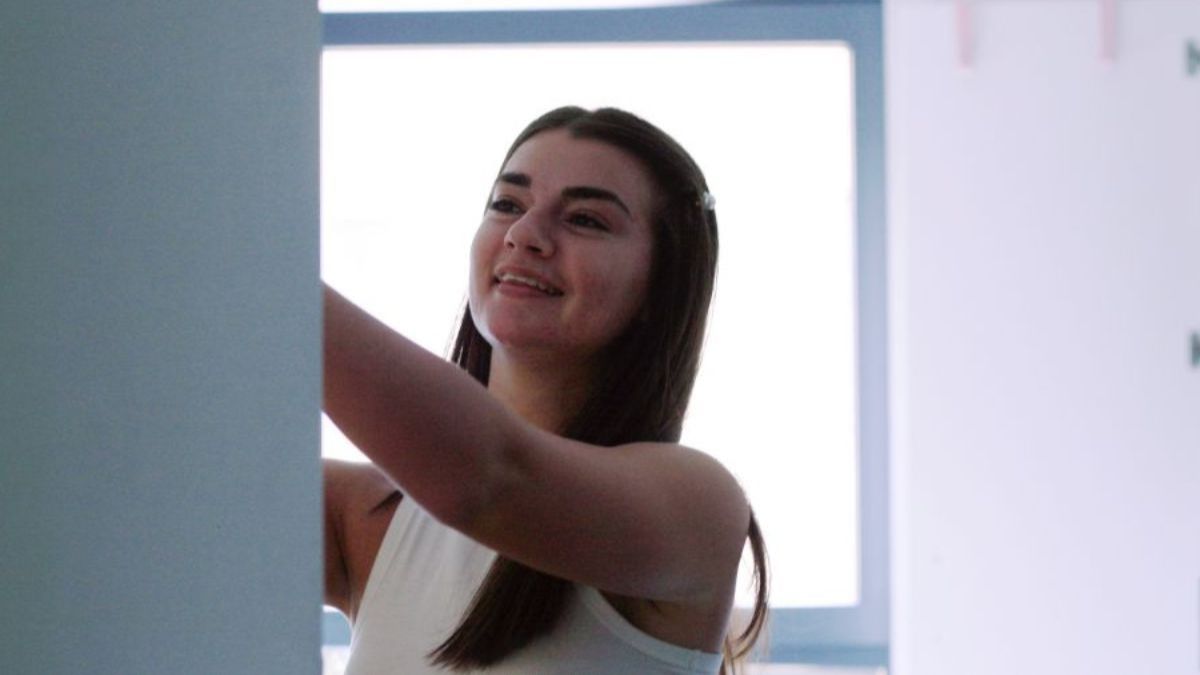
[554, 160]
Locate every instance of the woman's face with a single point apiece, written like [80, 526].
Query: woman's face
[562, 259]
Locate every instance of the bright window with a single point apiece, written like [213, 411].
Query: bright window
[413, 138]
[781, 103]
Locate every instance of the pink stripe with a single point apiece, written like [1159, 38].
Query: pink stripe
[966, 36]
[1108, 30]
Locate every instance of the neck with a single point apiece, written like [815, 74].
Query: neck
[546, 395]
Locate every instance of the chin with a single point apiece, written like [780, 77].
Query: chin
[518, 342]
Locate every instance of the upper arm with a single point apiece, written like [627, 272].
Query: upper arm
[648, 520]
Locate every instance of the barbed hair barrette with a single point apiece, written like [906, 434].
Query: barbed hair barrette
[709, 201]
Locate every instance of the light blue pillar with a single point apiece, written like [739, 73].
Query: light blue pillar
[159, 345]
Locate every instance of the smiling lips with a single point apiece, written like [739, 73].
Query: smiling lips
[526, 281]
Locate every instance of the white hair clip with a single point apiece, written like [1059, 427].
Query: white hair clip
[710, 202]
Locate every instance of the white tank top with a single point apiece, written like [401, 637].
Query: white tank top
[425, 575]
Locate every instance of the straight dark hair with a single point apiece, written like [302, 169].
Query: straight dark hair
[641, 396]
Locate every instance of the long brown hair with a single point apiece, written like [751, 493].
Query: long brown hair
[642, 396]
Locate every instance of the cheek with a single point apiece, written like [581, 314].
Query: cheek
[623, 289]
[638, 288]
[638, 279]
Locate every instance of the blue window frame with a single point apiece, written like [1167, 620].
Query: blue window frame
[855, 635]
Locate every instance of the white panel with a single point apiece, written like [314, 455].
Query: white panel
[1045, 219]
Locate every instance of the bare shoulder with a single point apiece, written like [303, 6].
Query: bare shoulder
[709, 505]
[673, 520]
[359, 503]
[724, 515]
[701, 487]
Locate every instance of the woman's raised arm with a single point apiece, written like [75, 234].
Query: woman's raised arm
[649, 520]
[424, 422]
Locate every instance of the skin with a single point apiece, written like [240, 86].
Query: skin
[657, 527]
[596, 251]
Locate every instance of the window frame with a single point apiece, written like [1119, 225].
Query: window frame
[847, 636]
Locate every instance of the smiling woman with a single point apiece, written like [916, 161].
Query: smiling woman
[596, 543]
[558, 231]
[782, 105]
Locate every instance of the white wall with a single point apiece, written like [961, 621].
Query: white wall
[1045, 241]
[159, 483]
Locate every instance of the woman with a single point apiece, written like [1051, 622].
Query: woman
[549, 523]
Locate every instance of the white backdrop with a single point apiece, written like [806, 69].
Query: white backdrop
[1045, 241]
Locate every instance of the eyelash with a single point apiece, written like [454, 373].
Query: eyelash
[591, 223]
[504, 205]
[508, 206]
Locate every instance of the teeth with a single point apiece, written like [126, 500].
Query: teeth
[534, 283]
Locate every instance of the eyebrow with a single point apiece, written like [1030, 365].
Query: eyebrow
[518, 179]
[574, 192]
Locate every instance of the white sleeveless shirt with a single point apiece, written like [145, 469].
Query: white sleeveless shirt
[425, 575]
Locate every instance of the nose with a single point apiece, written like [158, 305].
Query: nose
[531, 233]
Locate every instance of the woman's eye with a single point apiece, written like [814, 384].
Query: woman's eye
[504, 205]
[586, 221]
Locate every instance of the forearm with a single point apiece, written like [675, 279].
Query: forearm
[427, 424]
